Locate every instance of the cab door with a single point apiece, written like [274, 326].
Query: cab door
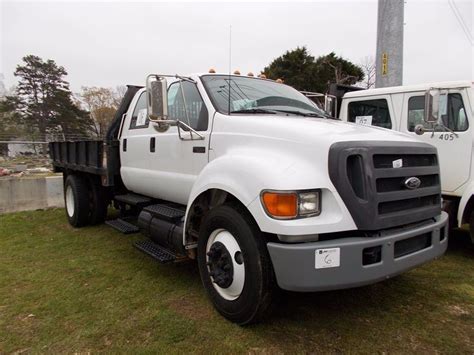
[165, 165]
[454, 149]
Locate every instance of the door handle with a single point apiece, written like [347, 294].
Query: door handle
[152, 144]
[124, 145]
[199, 149]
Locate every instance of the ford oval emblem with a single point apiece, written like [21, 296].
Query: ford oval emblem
[412, 183]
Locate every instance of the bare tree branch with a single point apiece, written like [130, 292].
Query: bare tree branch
[368, 66]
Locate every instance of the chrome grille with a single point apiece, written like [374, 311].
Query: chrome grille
[370, 180]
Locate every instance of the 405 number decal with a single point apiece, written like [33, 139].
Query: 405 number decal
[447, 136]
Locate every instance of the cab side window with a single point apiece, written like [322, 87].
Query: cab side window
[140, 116]
[192, 104]
[455, 117]
[376, 109]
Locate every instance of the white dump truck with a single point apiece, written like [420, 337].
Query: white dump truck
[258, 184]
[450, 129]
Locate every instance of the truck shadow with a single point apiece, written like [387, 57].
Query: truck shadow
[395, 296]
[399, 298]
[460, 243]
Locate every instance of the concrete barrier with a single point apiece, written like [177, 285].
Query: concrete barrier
[24, 194]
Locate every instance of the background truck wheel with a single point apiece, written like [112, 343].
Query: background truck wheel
[471, 226]
[76, 198]
[451, 208]
[99, 201]
[234, 265]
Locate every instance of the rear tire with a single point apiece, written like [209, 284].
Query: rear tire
[99, 201]
[234, 265]
[76, 200]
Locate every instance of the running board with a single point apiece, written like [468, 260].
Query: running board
[133, 199]
[157, 252]
[123, 226]
[167, 213]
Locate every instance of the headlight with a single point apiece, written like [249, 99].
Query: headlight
[309, 203]
[291, 204]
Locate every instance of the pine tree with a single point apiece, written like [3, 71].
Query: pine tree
[45, 101]
[302, 71]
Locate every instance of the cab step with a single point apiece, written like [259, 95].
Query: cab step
[123, 226]
[134, 200]
[164, 212]
[156, 251]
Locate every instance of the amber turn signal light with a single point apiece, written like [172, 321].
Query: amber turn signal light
[280, 204]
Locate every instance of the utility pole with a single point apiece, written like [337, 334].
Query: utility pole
[389, 61]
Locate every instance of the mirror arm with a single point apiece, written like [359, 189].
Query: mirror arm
[446, 129]
[180, 124]
[186, 78]
[191, 131]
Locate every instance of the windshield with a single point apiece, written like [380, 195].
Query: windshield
[256, 96]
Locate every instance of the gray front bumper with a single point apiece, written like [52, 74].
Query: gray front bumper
[295, 270]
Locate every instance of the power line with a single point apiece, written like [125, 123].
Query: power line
[461, 21]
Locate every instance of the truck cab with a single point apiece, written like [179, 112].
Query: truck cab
[403, 109]
[260, 186]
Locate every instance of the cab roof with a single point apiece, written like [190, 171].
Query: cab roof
[409, 88]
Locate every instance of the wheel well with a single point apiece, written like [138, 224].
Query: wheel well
[467, 210]
[201, 205]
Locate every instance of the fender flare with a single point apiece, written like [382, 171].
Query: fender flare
[463, 203]
[242, 176]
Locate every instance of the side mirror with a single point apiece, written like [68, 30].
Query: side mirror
[435, 105]
[431, 106]
[330, 105]
[157, 100]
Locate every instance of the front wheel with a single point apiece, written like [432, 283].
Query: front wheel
[234, 265]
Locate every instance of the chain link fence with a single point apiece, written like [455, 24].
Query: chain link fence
[27, 155]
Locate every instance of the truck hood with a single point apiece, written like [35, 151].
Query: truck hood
[303, 130]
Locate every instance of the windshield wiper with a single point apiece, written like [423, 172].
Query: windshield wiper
[254, 110]
[300, 113]
[308, 114]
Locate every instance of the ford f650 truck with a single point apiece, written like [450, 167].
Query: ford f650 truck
[250, 178]
[451, 132]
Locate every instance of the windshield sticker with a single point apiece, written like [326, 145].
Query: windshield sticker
[364, 120]
[141, 118]
[243, 104]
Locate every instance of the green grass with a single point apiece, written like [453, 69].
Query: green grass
[89, 290]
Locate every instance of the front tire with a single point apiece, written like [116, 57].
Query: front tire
[234, 265]
[76, 200]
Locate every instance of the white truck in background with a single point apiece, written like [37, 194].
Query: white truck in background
[403, 109]
[250, 178]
